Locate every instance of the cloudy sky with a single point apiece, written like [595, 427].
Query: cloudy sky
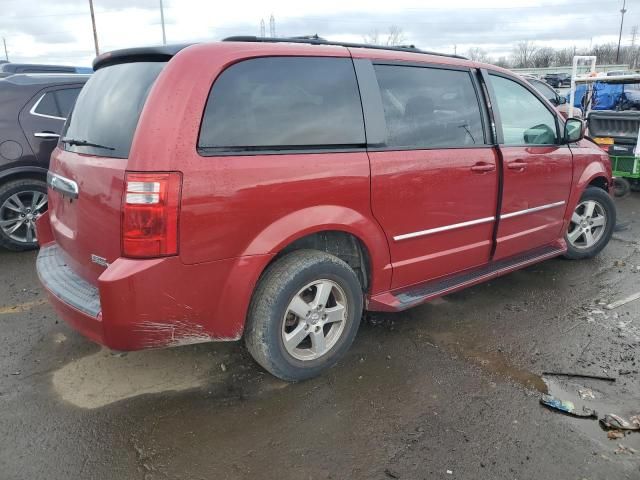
[59, 31]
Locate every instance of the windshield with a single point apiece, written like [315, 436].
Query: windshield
[106, 113]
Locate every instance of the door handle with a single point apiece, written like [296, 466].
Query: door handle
[483, 167]
[519, 165]
[46, 135]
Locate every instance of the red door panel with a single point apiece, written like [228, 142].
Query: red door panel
[437, 208]
[537, 183]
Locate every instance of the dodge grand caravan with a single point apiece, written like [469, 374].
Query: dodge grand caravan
[273, 189]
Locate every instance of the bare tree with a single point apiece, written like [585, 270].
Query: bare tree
[522, 55]
[503, 62]
[477, 54]
[543, 57]
[393, 38]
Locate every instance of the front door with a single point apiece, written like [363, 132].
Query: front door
[434, 183]
[537, 169]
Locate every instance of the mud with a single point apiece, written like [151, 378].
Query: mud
[452, 386]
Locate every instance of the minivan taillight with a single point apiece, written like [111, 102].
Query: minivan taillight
[150, 210]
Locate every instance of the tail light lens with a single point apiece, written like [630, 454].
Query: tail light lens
[150, 210]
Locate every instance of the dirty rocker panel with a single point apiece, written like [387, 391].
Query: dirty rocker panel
[420, 293]
[62, 282]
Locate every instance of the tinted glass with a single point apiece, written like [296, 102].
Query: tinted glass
[429, 107]
[65, 100]
[109, 106]
[284, 102]
[525, 119]
[47, 106]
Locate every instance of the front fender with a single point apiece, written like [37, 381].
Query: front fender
[592, 171]
[295, 225]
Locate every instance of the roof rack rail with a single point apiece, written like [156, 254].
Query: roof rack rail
[316, 40]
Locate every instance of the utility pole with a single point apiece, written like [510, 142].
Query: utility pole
[272, 27]
[6, 54]
[455, 49]
[164, 36]
[95, 33]
[262, 30]
[622, 11]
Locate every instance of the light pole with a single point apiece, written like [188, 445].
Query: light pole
[6, 54]
[622, 11]
[95, 33]
[164, 36]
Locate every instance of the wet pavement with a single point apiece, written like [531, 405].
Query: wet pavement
[446, 390]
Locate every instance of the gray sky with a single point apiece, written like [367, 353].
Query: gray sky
[59, 31]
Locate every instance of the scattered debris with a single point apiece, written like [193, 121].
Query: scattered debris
[567, 407]
[615, 435]
[616, 422]
[579, 375]
[619, 263]
[586, 393]
[15, 373]
[623, 301]
[223, 367]
[390, 473]
[624, 449]
[449, 472]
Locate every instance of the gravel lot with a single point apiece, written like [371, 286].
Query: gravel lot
[446, 390]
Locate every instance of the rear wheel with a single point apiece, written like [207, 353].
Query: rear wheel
[21, 203]
[304, 314]
[591, 224]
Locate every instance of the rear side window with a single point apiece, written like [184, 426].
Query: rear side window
[57, 103]
[108, 108]
[283, 102]
[429, 107]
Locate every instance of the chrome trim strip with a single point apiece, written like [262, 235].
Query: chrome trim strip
[62, 185]
[35, 105]
[531, 210]
[46, 135]
[443, 229]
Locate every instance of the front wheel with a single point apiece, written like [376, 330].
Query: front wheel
[304, 314]
[591, 224]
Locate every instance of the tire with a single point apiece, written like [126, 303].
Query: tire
[16, 207]
[622, 187]
[302, 276]
[595, 213]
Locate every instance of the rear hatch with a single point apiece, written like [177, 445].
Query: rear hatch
[93, 153]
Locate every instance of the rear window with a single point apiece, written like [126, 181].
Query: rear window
[108, 108]
[283, 102]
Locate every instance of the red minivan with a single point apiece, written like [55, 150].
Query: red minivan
[273, 189]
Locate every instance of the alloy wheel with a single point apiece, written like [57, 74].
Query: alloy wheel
[588, 224]
[314, 320]
[18, 214]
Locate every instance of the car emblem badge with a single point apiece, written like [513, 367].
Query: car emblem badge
[99, 260]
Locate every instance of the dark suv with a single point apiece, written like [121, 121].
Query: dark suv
[557, 80]
[34, 109]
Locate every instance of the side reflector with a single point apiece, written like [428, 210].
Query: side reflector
[150, 211]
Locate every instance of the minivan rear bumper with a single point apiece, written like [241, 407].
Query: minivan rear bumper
[160, 302]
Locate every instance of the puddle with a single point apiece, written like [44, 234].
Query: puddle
[103, 378]
[494, 362]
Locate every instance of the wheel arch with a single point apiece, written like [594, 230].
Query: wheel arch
[341, 231]
[20, 173]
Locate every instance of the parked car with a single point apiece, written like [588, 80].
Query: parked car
[9, 68]
[34, 108]
[554, 98]
[272, 189]
[557, 80]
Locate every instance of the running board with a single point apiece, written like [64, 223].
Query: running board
[404, 298]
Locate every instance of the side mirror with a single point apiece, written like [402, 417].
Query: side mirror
[561, 100]
[573, 130]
